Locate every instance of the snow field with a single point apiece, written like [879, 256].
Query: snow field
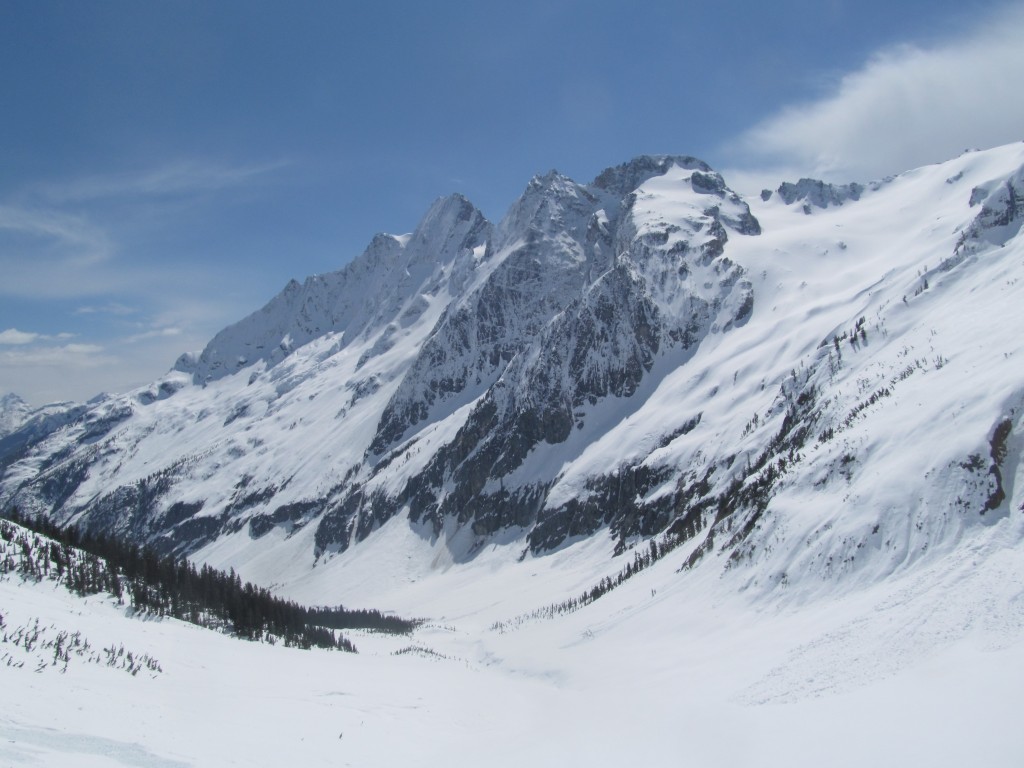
[669, 668]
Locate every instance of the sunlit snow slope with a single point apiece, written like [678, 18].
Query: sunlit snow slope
[925, 668]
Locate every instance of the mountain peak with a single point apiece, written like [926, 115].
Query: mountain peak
[13, 412]
[11, 400]
[552, 184]
[455, 202]
[624, 178]
[451, 222]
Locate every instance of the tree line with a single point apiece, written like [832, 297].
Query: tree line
[91, 563]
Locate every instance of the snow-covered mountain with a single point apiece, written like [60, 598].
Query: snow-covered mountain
[822, 381]
[13, 413]
[24, 426]
[672, 475]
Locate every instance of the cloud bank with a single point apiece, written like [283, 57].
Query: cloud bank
[906, 107]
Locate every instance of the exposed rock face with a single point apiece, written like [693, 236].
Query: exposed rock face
[818, 194]
[590, 290]
[1002, 209]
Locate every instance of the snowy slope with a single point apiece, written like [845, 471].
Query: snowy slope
[670, 668]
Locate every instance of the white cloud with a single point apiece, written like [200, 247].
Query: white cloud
[15, 337]
[48, 368]
[66, 356]
[906, 107]
[110, 308]
[156, 333]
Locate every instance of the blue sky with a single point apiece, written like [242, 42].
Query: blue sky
[168, 166]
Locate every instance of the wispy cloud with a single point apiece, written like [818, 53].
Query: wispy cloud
[110, 308]
[68, 356]
[107, 234]
[117, 254]
[907, 106]
[54, 234]
[184, 177]
[156, 333]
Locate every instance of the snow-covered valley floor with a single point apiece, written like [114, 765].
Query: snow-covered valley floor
[671, 668]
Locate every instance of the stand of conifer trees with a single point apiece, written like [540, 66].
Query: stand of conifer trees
[168, 586]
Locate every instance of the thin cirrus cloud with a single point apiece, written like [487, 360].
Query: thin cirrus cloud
[156, 333]
[47, 252]
[110, 308]
[187, 177]
[64, 355]
[907, 106]
[67, 239]
[54, 233]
